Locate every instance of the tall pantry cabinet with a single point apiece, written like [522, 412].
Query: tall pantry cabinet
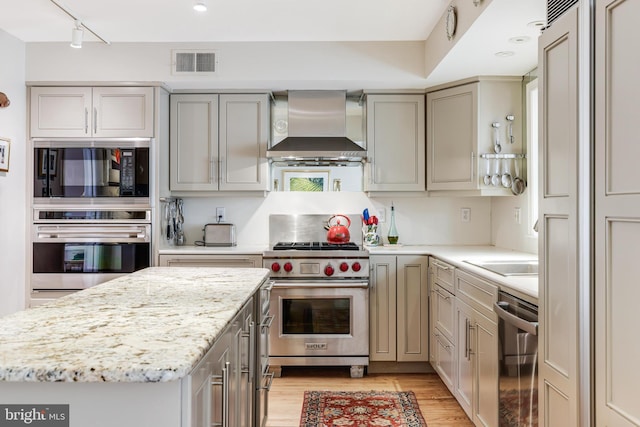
[559, 242]
[617, 214]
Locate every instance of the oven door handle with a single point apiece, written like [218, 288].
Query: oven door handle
[51, 233]
[531, 327]
[321, 284]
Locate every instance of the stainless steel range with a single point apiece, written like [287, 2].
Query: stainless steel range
[320, 297]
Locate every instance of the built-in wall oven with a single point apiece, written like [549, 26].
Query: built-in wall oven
[76, 248]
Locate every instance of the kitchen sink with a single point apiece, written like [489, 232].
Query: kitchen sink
[509, 268]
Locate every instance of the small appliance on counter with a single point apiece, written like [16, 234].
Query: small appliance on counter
[218, 234]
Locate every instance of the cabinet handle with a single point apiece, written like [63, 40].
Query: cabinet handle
[442, 266]
[95, 120]
[222, 380]
[446, 297]
[469, 328]
[252, 348]
[221, 170]
[212, 171]
[86, 120]
[269, 375]
[266, 323]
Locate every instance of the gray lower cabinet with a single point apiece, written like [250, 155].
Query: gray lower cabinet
[233, 261]
[220, 388]
[464, 339]
[398, 298]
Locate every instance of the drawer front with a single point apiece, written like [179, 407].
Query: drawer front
[478, 293]
[443, 274]
[444, 363]
[444, 314]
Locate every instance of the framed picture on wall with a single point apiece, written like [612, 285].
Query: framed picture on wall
[297, 180]
[5, 144]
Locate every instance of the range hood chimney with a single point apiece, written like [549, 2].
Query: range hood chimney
[317, 126]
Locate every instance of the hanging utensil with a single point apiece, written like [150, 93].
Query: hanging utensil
[495, 179]
[518, 185]
[487, 177]
[506, 175]
[496, 137]
[510, 118]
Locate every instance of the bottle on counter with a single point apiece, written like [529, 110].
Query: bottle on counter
[393, 231]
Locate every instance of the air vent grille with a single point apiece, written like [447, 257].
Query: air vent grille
[556, 8]
[194, 62]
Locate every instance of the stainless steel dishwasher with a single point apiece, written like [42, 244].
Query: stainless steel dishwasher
[518, 351]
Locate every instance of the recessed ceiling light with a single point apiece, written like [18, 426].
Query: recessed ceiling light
[536, 24]
[519, 39]
[505, 53]
[200, 6]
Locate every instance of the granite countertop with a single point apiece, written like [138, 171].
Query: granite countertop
[524, 287]
[150, 326]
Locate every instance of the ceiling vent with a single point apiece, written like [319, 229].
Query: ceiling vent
[556, 8]
[194, 62]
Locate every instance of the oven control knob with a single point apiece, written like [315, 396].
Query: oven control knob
[275, 267]
[288, 267]
[344, 267]
[328, 270]
[356, 266]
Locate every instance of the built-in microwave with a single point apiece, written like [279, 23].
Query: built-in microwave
[97, 170]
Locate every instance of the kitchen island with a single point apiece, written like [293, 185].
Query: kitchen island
[122, 353]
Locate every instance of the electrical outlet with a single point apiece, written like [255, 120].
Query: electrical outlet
[517, 215]
[465, 214]
[221, 215]
[382, 215]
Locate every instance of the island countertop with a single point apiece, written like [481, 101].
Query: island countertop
[150, 326]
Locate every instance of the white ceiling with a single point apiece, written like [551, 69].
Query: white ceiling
[291, 20]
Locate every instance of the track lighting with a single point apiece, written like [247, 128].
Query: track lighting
[76, 36]
[200, 5]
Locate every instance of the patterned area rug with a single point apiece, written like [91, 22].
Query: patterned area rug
[360, 409]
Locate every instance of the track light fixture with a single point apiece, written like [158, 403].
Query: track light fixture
[200, 5]
[77, 33]
[76, 36]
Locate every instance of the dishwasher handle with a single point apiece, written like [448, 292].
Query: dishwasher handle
[499, 308]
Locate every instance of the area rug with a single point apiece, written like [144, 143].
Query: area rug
[361, 409]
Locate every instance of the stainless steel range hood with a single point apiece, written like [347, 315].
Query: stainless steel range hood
[316, 123]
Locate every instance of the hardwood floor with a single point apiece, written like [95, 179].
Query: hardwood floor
[439, 408]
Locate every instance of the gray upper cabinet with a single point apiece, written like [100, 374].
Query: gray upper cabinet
[219, 142]
[100, 112]
[459, 132]
[395, 143]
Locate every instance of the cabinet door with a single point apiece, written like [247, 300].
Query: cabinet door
[617, 216]
[452, 133]
[236, 261]
[395, 143]
[244, 135]
[485, 351]
[122, 112]
[60, 112]
[465, 359]
[382, 301]
[412, 309]
[558, 223]
[245, 362]
[194, 143]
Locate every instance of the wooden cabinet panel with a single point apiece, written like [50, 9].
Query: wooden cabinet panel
[382, 300]
[103, 112]
[617, 213]
[412, 309]
[395, 143]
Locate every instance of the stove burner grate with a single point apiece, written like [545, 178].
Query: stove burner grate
[316, 246]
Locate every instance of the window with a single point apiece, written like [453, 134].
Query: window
[532, 153]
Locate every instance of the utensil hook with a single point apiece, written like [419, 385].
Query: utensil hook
[496, 137]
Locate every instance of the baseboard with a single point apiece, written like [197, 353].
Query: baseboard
[400, 368]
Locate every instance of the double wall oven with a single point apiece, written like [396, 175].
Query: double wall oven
[91, 213]
[320, 296]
